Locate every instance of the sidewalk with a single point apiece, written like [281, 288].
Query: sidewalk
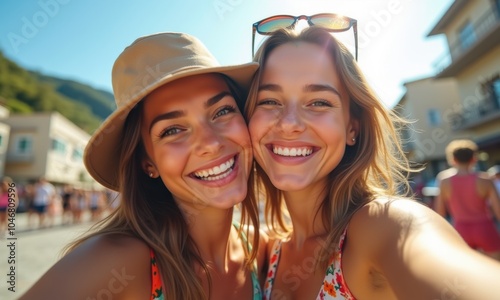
[34, 251]
[21, 222]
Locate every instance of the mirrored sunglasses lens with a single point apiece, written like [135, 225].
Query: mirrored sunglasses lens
[332, 22]
[274, 24]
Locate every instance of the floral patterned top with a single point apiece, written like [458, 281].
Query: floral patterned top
[157, 288]
[334, 286]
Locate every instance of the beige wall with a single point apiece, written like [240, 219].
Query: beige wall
[423, 96]
[30, 165]
[4, 144]
[4, 112]
[471, 77]
[56, 166]
[65, 167]
[4, 136]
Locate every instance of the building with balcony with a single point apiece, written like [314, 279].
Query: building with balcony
[427, 104]
[4, 138]
[472, 29]
[49, 145]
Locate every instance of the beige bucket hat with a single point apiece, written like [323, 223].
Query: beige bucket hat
[148, 63]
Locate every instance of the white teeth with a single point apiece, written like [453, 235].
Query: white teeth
[217, 172]
[283, 151]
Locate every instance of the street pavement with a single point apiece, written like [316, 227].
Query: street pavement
[34, 252]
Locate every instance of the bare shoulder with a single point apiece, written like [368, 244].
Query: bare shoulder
[394, 222]
[117, 264]
[124, 244]
[446, 174]
[484, 178]
[483, 175]
[121, 249]
[416, 252]
[394, 210]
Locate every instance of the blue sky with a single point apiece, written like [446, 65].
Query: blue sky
[80, 39]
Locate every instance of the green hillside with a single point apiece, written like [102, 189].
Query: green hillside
[24, 91]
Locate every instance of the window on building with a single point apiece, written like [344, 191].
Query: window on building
[496, 90]
[58, 146]
[77, 154]
[467, 35]
[491, 88]
[434, 117]
[24, 145]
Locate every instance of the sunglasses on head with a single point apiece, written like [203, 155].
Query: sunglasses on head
[330, 22]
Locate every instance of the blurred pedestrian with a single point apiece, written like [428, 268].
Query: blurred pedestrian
[95, 204]
[6, 193]
[494, 173]
[43, 197]
[78, 205]
[66, 196]
[465, 195]
[29, 196]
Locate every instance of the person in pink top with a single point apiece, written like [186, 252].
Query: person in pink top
[7, 194]
[470, 197]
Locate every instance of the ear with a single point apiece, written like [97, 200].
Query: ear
[149, 168]
[352, 132]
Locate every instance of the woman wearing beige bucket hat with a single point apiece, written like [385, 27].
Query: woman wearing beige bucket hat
[178, 150]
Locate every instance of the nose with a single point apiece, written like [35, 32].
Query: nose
[290, 120]
[208, 141]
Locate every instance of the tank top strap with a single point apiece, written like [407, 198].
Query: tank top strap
[334, 286]
[156, 282]
[274, 258]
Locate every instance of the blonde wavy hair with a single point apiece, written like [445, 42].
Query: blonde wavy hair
[148, 212]
[375, 166]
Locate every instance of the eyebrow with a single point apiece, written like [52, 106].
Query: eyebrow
[321, 88]
[270, 87]
[178, 113]
[213, 100]
[308, 88]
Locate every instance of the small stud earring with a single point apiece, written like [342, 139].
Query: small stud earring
[151, 174]
[354, 140]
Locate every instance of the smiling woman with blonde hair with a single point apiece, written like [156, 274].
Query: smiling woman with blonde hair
[328, 153]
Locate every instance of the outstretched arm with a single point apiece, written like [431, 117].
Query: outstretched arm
[112, 267]
[420, 256]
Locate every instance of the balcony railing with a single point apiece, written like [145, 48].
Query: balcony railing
[482, 27]
[477, 113]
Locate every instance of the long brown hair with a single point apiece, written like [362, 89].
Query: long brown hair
[148, 211]
[375, 166]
